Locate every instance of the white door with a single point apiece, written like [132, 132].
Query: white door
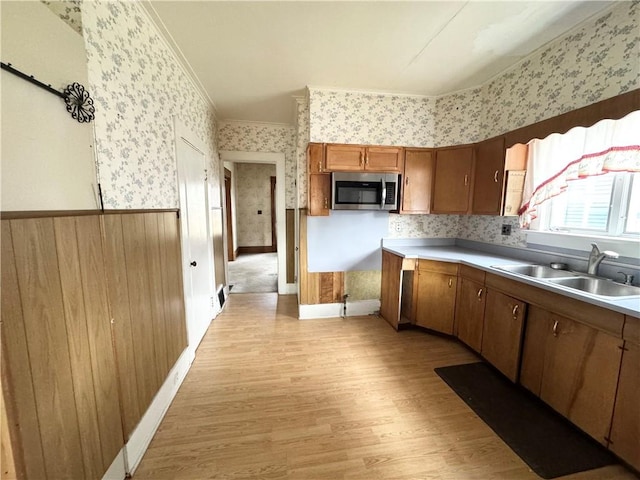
[197, 252]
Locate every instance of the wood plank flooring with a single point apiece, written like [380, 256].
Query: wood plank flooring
[273, 397]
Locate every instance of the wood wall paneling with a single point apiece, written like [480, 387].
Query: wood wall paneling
[46, 334]
[140, 304]
[156, 297]
[76, 317]
[18, 389]
[123, 333]
[291, 245]
[171, 261]
[94, 282]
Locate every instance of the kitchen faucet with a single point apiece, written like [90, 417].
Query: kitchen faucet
[596, 257]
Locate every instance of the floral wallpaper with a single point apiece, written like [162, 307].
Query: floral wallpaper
[595, 62]
[138, 87]
[363, 285]
[488, 229]
[458, 118]
[263, 137]
[253, 194]
[373, 119]
[302, 139]
[70, 11]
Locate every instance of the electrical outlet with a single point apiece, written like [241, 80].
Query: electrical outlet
[398, 227]
[506, 229]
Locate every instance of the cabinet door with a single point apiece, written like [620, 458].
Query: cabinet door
[319, 194]
[436, 301]
[452, 184]
[470, 305]
[625, 428]
[383, 159]
[580, 374]
[502, 332]
[315, 158]
[418, 181]
[344, 158]
[391, 288]
[488, 177]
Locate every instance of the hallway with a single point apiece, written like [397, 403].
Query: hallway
[254, 273]
[270, 396]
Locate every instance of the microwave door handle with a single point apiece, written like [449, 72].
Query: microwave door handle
[384, 193]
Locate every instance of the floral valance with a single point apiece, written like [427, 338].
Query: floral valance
[607, 146]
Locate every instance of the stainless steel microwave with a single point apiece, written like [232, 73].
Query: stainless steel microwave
[364, 191]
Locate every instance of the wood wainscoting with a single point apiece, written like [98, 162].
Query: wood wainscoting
[92, 321]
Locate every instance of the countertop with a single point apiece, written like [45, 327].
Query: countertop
[488, 261]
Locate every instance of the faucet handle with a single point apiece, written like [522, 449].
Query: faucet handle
[628, 278]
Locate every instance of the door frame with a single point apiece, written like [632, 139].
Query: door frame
[181, 131]
[228, 175]
[274, 234]
[278, 159]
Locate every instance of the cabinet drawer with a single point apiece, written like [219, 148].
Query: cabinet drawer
[472, 273]
[438, 267]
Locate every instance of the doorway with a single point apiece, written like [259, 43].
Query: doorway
[278, 159]
[231, 253]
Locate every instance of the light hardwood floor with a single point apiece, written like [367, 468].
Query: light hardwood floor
[271, 397]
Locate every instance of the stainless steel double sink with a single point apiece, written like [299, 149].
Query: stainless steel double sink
[596, 286]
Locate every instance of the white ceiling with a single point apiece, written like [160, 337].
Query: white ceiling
[252, 57]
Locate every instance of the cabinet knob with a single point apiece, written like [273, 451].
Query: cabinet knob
[480, 294]
[466, 180]
[555, 328]
[320, 165]
[366, 159]
[495, 176]
[515, 312]
[450, 282]
[406, 181]
[326, 202]
[361, 157]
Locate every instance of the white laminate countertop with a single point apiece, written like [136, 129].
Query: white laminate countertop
[487, 261]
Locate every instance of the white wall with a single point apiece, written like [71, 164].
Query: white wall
[47, 156]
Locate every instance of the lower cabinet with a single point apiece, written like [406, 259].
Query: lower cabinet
[502, 332]
[436, 299]
[470, 305]
[573, 368]
[625, 428]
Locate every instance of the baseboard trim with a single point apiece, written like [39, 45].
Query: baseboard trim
[264, 249]
[289, 289]
[117, 470]
[332, 310]
[146, 429]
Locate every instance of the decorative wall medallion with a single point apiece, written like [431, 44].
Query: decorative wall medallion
[79, 103]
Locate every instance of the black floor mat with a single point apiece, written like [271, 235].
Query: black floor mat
[547, 442]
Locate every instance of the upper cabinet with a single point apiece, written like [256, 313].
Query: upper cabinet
[453, 177]
[357, 158]
[417, 185]
[489, 176]
[319, 185]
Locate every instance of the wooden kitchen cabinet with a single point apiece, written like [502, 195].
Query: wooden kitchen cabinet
[470, 305]
[625, 426]
[358, 158]
[502, 332]
[417, 184]
[489, 177]
[319, 185]
[572, 367]
[452, 182]
[436, 295]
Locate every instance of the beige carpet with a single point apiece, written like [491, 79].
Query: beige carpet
[254, 273]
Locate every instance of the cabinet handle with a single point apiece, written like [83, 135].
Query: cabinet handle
[361, 157]
[406, 181]
[495, 176]
[515, 312]
[366, 159]
[450, 283]
[320, 166]
[466, 180]
[555, 328]
[480, 294]
[326, 202]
